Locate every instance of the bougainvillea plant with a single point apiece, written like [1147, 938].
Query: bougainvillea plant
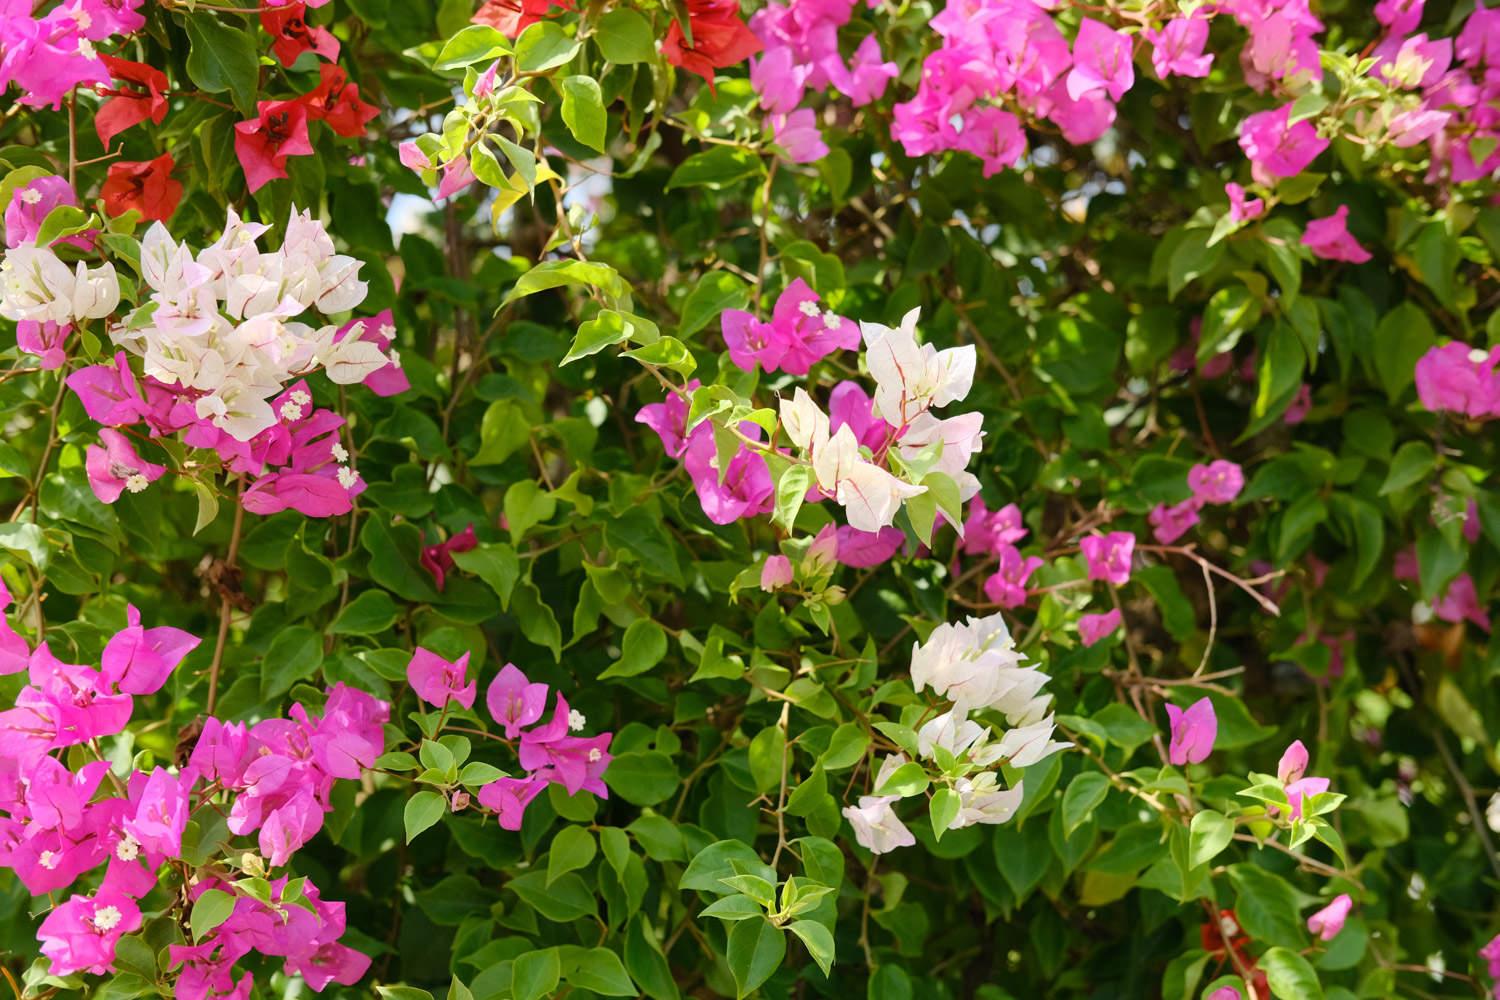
[525, 498]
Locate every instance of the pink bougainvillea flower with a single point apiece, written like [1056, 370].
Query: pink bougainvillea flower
[127, 107]
[799, 333]
[1224, 993]
[1219, 481]
[995, 136]
[108, 392]
[987, 531]
[1194, 730]
[438, 681]
[1327, 922]
[1293, 763]
[80, 934]
[291, 35]
[745, 488]
[14, 651]
[1329, 238]
[1092, 628]
[1007, 585]
[798, 134]
[779, 80]
[336, 101]
[457, 175]
[1460, 602]
[508, 798]
[1177, 49]
[575, 762]
[48, 57]
[669, 419]
[264, 143]
[849, 404]
[1300, 407]
[1291, 772]
[1242, 209]
[1101, 62]
[116, 467]
[1109, 556]
[867, 549]
[1169, 523]
[161, 811]
[379, 330]
[139, 660]
[31, 203]
[1400, 17]
[775, 573]
[866, 77]
[438, 559]
[45, 340]
[720, 39]
[515, 702]
[146, 186]
[1277, 148]
[1457, 378]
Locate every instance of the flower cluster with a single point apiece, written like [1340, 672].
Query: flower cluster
[47, 56]
[548, 752]
[1216, 482]
[976, 667]
[801, 42]
[44, 296]
[279, 130]
[56, 828]
[1457, 378]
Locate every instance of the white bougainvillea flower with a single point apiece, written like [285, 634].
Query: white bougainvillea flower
[911, 378]
[36, 286]
[805, 423]
[981, 800]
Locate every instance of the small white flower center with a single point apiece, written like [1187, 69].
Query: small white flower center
[107, 918]
[576, 720]
[595, 756]
[347, 477]
[127, 849]
[395, 357]
[47, 860]
[31, 196]
[339, 452]
[290, 410]
[809, 309]
[387, 331]
[300, 398]
[831, 320]
[136, 483]
[1478, 356]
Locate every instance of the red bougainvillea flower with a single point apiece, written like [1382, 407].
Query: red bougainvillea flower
[291, 34]
[511, 17]
[127, 107]
[264, 143]
[336, 101]
[147, 187]
[720, 39]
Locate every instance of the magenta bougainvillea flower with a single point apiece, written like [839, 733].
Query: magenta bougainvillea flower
[1108, 556]
[1194, 730]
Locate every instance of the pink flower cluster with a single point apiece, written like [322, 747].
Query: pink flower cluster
[298, 926]
[1291, 772]
[801, 53]
[798, 335]
[48, 56]
[1217, 482]
[548, 752]
[55, 828]
[297, 463]
[1457, 378]
[1194, 730]
[995, 533]
[1012, 50]
[283, 770]
[744, 490]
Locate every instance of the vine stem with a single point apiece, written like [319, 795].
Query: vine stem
[225, 606]
[35, 490]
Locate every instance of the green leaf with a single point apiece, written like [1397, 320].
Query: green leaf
[1290, 976]
[573, 848]
[503, 430]
[819, 942]
[209, 911]
[536, 974]
[497, 565]
[294, 655]
[643, 777]
[846, 747]
[369, 613]
[1230, 312]
[715, 292]
[604, 330]
[64, 220]
[223, 58]
[716, 169]
[597, 970]
[1266, 906]
[668, 352]
[791, 492]
[732, 908]
[907, 780]
[644, 646]
[1412, 463]
[422, 810]
[756, 948]
[942, 809]
[767, 758]
[646, 963]
[1403, 335]
[527, 505]
[1210, 833]
[474, 44]
[570, 273]
[1083, 796]
[625, 37]
[583, 110]
[543, 46]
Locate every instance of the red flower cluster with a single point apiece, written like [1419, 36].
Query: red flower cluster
[719, 39]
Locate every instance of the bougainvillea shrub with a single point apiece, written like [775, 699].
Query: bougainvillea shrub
[522, 498]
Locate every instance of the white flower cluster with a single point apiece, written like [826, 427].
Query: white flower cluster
[224, 322]
[37, 287]
[910, 380]
[975, 665]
